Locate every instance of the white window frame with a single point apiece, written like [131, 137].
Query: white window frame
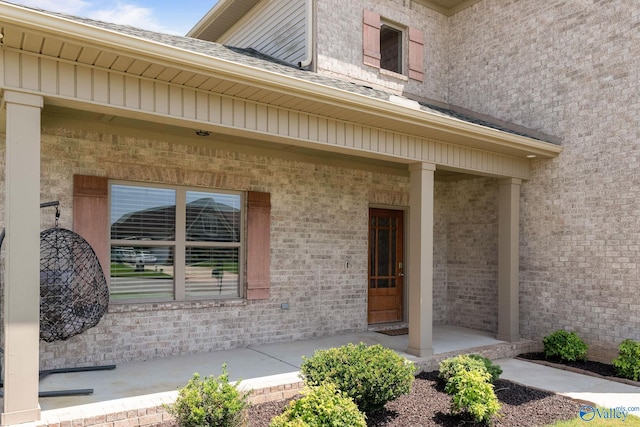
[180, 244]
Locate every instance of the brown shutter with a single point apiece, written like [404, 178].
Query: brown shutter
[416, 54]
[371, 38]
[258, 245]
[91, 214]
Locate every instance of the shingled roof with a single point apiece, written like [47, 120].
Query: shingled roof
[253, 58]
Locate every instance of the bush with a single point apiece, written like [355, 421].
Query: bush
[371, 376]
[471, 392]
[212, 401]
[627, 363]
[451, 366]
[564, 345]
[493, 369]
[321, 406]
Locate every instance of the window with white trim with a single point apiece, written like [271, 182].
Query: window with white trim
[174, 243]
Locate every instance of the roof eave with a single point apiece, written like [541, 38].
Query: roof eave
[446, 128]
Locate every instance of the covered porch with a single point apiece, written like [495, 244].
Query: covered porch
[271, 370]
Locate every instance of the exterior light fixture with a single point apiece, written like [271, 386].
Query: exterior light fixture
[531, 156]
[201, 132]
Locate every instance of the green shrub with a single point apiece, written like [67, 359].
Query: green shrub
[564, 345]
[464, 362]
[493, 369]
[211, 401]
[472, 392]
[627, 363]
[371, 376]
[321, 406]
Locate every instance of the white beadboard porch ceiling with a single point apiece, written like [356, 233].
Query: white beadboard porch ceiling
[185, 62]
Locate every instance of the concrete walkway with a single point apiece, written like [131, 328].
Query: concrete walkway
[152, 383]
[584, 388]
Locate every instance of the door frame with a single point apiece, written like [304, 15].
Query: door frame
[405, 226]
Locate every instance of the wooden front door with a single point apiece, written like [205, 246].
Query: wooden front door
[386, 265]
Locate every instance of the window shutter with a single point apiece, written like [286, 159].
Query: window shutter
[90, 214]
[258, 245]
[371, 38]
[416, 54]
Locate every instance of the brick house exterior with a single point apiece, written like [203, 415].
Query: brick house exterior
[519, 246]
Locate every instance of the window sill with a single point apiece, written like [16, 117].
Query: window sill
[388, 73]
[128, 307]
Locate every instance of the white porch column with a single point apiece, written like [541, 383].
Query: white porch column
[22, 259]
[421, 259]
[508, 260]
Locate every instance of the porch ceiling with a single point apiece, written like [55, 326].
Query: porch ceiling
[212, 68]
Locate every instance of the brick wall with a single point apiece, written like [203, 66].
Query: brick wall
[340, 53]
[567, 68]
[471, 221]
[319, 220]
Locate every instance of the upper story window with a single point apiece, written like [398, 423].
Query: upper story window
[391, 48]
[173, 243]
[383, 47]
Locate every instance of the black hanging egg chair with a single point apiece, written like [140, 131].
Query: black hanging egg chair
[73, 290]
[74, 294]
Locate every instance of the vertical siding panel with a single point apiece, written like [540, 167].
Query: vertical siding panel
[30, 72]
[356, 137]
[303, 129]
[215, 109]
[251, 116]
[283, 122]
[313, 128]
[366, 138]
[100, 86]
[84, 83]
[323, 131]
[67, 79]
[132, 92]
[294, 124]
[226, 111]
[263, 118]
[161, 98]
[175, 101]
[272, 120]
[340, 131]
[116, 88]
[49, 76]
[202, 106]
[12, 69]
[189, 103]
[349, 135]
[239, 113]
[147, 95]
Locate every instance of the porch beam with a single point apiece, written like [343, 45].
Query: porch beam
[509, 260]
[22, 259]
[421, 259]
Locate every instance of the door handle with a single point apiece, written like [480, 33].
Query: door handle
[401, 275]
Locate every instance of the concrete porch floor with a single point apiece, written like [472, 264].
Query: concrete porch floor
[139, 389]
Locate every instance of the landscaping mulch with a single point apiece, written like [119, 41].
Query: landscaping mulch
[428, 405]
[602, 369]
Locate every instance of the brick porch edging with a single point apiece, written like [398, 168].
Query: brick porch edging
[149, 410]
